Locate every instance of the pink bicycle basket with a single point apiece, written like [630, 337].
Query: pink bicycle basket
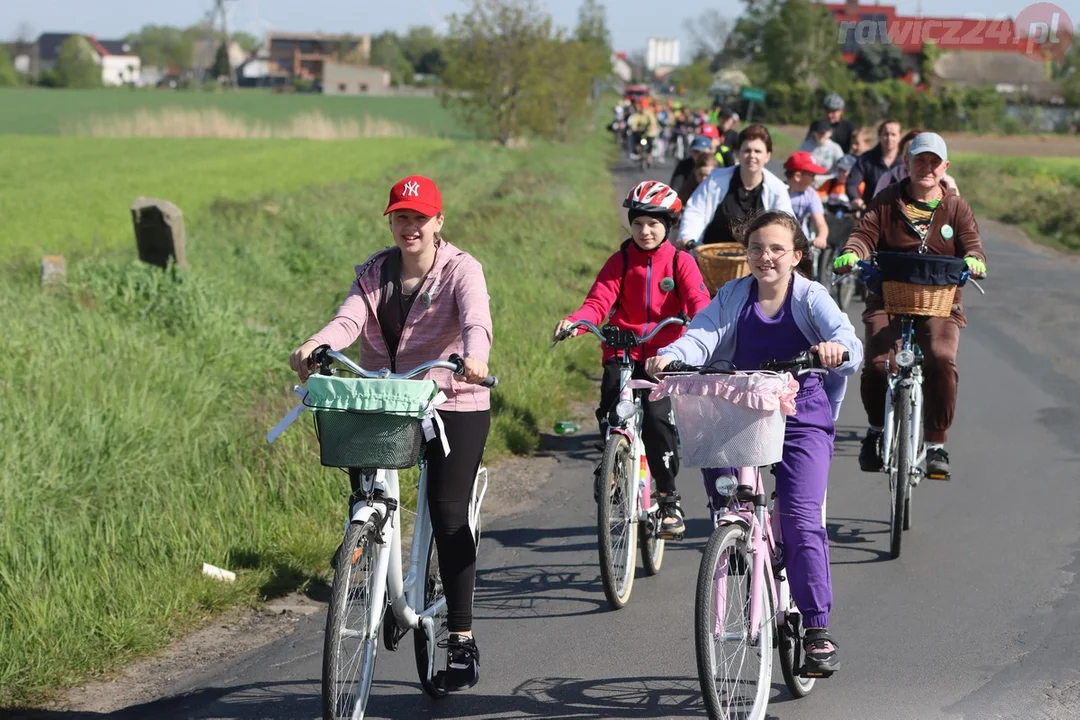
[730, 420]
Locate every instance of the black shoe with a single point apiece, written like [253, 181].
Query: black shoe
[870, 454]
[937, 464]
[671, 518]
[462, 663]
[819, 649]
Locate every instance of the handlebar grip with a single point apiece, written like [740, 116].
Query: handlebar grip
[490, 381]
[679, 366]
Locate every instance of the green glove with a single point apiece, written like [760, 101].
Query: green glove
[977, 266]
[848, 259]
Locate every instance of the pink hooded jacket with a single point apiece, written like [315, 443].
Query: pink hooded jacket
[456, 319]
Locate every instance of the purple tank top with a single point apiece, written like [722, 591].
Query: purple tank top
[760, 338]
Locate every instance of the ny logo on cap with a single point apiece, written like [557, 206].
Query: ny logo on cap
[411, 189]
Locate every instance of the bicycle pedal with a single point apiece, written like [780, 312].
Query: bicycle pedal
[675, 537]
[814, 674]
[945, 476]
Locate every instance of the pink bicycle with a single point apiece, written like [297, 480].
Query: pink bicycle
[627, 514]
[743, 607]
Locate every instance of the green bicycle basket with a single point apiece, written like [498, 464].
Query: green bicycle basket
[365, 423]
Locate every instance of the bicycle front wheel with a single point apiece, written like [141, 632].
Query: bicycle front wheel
[791, 656]
[349, 656]
[734, 662]
[615, 520]
[901, 475]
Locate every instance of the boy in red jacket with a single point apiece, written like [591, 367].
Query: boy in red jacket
[646, 281]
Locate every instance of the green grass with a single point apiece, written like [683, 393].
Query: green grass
[64, 194]
[1040, 195]
[136, 401]
[37, 111]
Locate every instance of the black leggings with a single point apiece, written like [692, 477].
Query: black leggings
[657, 429]
[450, 486]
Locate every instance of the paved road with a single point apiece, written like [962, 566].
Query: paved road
[978, 619]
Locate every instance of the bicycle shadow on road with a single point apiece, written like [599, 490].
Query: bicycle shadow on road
[857, 535]
[262, 701]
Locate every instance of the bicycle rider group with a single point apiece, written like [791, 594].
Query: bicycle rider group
[425, 300]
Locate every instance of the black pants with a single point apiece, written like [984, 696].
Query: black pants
[657, 428]
[450, 487]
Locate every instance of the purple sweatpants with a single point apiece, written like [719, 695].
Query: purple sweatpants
[802, 478]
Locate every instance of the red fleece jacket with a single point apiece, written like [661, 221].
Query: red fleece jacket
[646, 298]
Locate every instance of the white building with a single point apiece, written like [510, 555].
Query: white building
[662, 53]
[119, 63]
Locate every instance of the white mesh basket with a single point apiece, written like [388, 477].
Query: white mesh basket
[730, 420]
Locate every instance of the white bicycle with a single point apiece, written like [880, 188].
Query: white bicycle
[374, 442]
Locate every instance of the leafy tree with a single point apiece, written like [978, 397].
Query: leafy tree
[386, 52]
[423, 49]
[928, 58]
[695, 77]
[878, 61]
[246, 41]
[709, 34]
[593, 51]
[76, 66]
[798, 41]
[221, 66]
[8, 76]
[162, 46]
[559, 103]
[494, 65]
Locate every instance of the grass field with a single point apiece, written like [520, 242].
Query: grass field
[1040, 195]
[132, 432]
[34, 111]
[63, 195]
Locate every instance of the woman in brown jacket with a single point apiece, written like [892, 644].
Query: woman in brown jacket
[919, 213]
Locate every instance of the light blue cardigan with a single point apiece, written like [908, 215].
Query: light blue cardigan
[710, 337]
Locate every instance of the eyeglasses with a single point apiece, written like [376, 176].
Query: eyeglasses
[756, 252]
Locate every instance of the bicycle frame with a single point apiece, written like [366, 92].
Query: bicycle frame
[405, 594]
[764, 527]
[906, 377]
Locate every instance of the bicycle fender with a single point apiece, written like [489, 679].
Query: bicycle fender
[730, 518]
[363, 514]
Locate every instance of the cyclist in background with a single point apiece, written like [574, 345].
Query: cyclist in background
[643, 122]
[729, 135]
[825, 152]
[692, 172]
[900, 172]
[874, 163]
[453, 316]
[647, 280]
[919, 212]
[842, 130]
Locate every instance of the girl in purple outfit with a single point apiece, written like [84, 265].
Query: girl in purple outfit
[775, 314]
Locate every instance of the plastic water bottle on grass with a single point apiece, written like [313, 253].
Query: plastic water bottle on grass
[565, 427]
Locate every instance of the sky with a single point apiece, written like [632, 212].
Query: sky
[631, 22]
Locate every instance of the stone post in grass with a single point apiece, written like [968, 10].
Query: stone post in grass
[159, 232]
[53, 272]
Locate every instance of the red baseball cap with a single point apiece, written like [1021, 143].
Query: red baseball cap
[417, 193]
[803, 161]
[709, 131]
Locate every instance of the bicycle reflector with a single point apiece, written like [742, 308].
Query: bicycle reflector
[905, 358]
[624, 410]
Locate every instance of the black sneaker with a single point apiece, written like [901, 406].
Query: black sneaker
[819, 649]
[937, 464]
[462, 663]
[870, 454]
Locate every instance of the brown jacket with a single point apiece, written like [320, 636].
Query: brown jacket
[885, 227]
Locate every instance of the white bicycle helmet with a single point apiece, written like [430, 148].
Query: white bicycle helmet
[655, 198]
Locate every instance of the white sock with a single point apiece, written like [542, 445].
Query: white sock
[935, 446]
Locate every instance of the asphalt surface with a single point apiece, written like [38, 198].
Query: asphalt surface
[979, 617]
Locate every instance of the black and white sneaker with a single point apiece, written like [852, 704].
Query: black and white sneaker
[820, 653]
[870, 453]
[462, 663]
[937, 464]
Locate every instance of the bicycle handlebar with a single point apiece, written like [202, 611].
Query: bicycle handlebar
[871, 274]
[804, 361]
[680, 319]
[323, 355]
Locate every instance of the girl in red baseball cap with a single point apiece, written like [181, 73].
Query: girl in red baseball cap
[424, 299]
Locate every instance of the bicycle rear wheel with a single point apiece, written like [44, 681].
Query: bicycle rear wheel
[735, 671]
[900, 478]
[433, 592]
[652, 547]
[615, 521]
[349, 657]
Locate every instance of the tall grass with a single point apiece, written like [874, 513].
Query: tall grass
[181, 122]
[64, 194]
[135, 402]
[37, 111]
[1041, 195]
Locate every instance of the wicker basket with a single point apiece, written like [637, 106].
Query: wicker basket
[910, 299]
[721, 263]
